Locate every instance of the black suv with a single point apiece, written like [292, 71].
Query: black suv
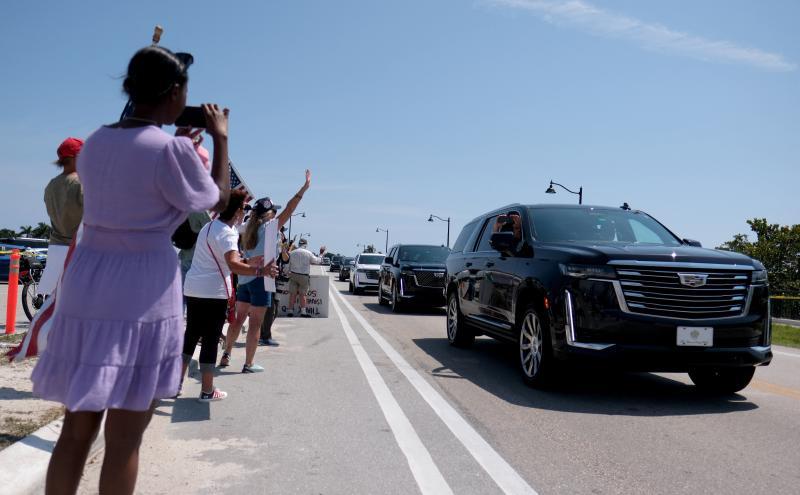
[336, 263]
[413, 273]
[609, 285]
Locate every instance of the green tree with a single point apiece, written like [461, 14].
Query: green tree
[778, 247]
[42, 231]
[7, 233]
[25, 231]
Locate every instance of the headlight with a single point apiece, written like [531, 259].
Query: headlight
[760, 277]
[588, 271]
[407, 273]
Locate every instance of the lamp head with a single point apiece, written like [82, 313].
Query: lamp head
[430, 218]
[550, 189]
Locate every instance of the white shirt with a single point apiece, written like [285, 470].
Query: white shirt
[204, 278]
[300, 261]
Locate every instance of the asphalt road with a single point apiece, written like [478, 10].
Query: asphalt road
[370, 402]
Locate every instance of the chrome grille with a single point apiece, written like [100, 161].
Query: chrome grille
[658, 291]
[371, 274]
[428, 278]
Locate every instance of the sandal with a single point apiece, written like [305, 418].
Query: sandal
[225, 361]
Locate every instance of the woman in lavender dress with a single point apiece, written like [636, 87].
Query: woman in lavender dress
[117, 334]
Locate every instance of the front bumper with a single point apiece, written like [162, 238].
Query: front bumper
[423, 295]
[588, 324]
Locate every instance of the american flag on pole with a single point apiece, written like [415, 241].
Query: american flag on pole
[237, 184]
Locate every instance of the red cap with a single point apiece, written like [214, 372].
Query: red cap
[69, 148]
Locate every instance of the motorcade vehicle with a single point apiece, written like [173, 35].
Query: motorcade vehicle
[336, 263]
[344, 271]
[604, 286]
[326, 261]
[413, 274]
[364, 272]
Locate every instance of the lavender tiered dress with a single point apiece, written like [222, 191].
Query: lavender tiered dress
[117, 330]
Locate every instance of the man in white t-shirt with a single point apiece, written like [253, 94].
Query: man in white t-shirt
[300, 261]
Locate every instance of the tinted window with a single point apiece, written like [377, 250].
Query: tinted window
[598, 225]
[371, 259]
[423, 254]
[486, 235]
[463, 237]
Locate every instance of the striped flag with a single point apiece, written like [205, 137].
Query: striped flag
[36, 338]
[237, 184]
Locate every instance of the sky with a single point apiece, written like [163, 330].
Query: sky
[685, 109]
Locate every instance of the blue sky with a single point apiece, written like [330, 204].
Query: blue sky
[685, 109]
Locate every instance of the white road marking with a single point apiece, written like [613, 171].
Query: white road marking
[428, 477]
[502, 473]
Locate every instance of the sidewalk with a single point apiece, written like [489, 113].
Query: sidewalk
[20, 413]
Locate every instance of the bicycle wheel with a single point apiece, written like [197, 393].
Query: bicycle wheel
[31, 299]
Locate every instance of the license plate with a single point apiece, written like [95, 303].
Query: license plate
[695, 336]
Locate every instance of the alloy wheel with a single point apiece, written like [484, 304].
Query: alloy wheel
[452, 319]
[530, 345]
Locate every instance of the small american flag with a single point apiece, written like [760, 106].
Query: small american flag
[237, 184]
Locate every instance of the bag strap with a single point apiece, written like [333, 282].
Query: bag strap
[224, 280]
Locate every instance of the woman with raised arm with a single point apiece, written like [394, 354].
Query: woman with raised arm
[117, 335]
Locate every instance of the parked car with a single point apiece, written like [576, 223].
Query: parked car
[413, 273]
[609, 285]
[364, 273]
[40, 255]
[336, 263]
[344, 271]
[39, 246]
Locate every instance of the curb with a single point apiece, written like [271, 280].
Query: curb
[28, 459]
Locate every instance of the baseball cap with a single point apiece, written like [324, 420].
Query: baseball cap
[303, 242]
[263, 205]
[69, 148]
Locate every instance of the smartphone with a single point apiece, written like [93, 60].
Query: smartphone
[192, 117]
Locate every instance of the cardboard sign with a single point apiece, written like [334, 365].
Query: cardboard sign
[317, 298]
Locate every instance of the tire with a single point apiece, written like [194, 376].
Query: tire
[458, 333]
[395, 303]
[722, 381]
[356, 289]
[31, 301]
[381, 300]
[352, 288]
[533, 344]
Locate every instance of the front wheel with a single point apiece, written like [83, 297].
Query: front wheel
[381, 300]
[31, 299]
[534, 349]
[395, 302]
[722, 381]
[458, 333]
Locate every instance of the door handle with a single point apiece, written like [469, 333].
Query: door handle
[489, 264]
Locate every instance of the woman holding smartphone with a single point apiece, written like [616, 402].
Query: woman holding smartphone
[117, 334]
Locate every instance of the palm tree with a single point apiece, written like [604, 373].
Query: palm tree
[25, 231]
[42, 231]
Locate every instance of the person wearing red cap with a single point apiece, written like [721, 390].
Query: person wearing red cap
[63, 198]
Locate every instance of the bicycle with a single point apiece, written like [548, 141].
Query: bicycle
[30, 273]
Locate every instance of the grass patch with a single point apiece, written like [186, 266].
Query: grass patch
[14, 429]
[14, 338]
[785, 335]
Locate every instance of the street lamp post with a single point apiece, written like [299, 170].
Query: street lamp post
[386, 250]
[430, 219]
[303, 215]
[579, 192]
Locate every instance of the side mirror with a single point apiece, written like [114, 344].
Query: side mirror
[692, 242]
[388, 260]
[502, 241]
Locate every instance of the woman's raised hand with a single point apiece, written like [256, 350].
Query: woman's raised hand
[216, 120]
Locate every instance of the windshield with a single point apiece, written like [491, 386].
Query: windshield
[370, 259]
[347, 260]
[423, 254]
[597, 225]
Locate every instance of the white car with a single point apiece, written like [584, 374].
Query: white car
[364, 273]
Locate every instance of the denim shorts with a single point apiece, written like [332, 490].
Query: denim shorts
[254, 294]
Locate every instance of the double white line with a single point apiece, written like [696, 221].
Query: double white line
[428, 477]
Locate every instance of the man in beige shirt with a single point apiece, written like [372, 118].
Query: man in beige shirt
[63, 197]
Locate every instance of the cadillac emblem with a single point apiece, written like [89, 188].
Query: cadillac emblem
[693, 279]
